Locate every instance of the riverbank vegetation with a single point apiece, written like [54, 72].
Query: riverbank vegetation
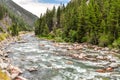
[92, 21]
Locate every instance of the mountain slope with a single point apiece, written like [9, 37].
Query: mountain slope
[13, 19]
[27, 17]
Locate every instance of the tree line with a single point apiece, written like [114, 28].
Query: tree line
[92, 21]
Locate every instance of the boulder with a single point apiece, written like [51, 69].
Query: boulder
[109, 69]
[5, 55]
[41, 45]
[69, 62]
[100, 57]
[9, 51]
[69, 48]
[14, 69]
[22, 41]
[1, 53]
[13, 76]
[3, 65]
[20, 78]
[114, 65]
[32, 69]
[1, 60]
[101, 70]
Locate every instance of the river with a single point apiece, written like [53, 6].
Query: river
[42, 56]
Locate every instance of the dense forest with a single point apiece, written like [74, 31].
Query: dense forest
[93, 21]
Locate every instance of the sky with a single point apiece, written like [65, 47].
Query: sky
[39, 6]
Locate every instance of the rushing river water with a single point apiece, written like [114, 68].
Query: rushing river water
[51, 66]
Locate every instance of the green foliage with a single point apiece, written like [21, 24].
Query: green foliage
[14, 30]
[96, 22]
[3, 36]
[104, 40]
[2, 11]
[45, 30]
[1, 29]
[116, 43]
[72, 35]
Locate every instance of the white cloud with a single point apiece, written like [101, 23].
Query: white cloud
[62, 0]
[34, 7]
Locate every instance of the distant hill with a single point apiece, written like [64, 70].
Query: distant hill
[27, 17]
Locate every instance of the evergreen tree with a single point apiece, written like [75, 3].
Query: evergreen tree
[94, 21]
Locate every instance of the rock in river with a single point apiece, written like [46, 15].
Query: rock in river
[20, 78]
[32, 69]
[114, 65]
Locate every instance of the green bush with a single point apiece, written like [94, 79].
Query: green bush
[1, 29]
[72, 35]
[105, 40]
[3, 36]
[14, 30]
[59, 39]
[116, 43]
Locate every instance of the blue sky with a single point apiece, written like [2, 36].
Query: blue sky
[38, 7]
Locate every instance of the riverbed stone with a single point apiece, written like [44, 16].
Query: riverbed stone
[69, 62]
[32, 69]
[5, 55]
[14, 69]
[114, 65]
[1, 53]
[13, 76]
[3, 65]
[20, 78]
[1, 60]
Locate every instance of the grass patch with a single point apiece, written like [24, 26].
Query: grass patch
[117, 55]
[4, 76]
[3, 36]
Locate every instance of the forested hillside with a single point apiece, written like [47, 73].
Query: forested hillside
[10, 22]
[25, 15]
[92, 21]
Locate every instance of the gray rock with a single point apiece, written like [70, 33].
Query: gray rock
[1, 53]
[5, 55]
[114, 65]
[32, 69]
[13, 76]
[21, 78]
[4, 65]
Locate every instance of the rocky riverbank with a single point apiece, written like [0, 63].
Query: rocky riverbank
[109, 58]
[5, 62]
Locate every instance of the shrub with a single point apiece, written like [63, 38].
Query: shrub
[104, 40]
[116, 43]
[72, 35]
[1, 29]
[3, 36]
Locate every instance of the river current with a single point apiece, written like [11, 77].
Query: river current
[42, 56]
